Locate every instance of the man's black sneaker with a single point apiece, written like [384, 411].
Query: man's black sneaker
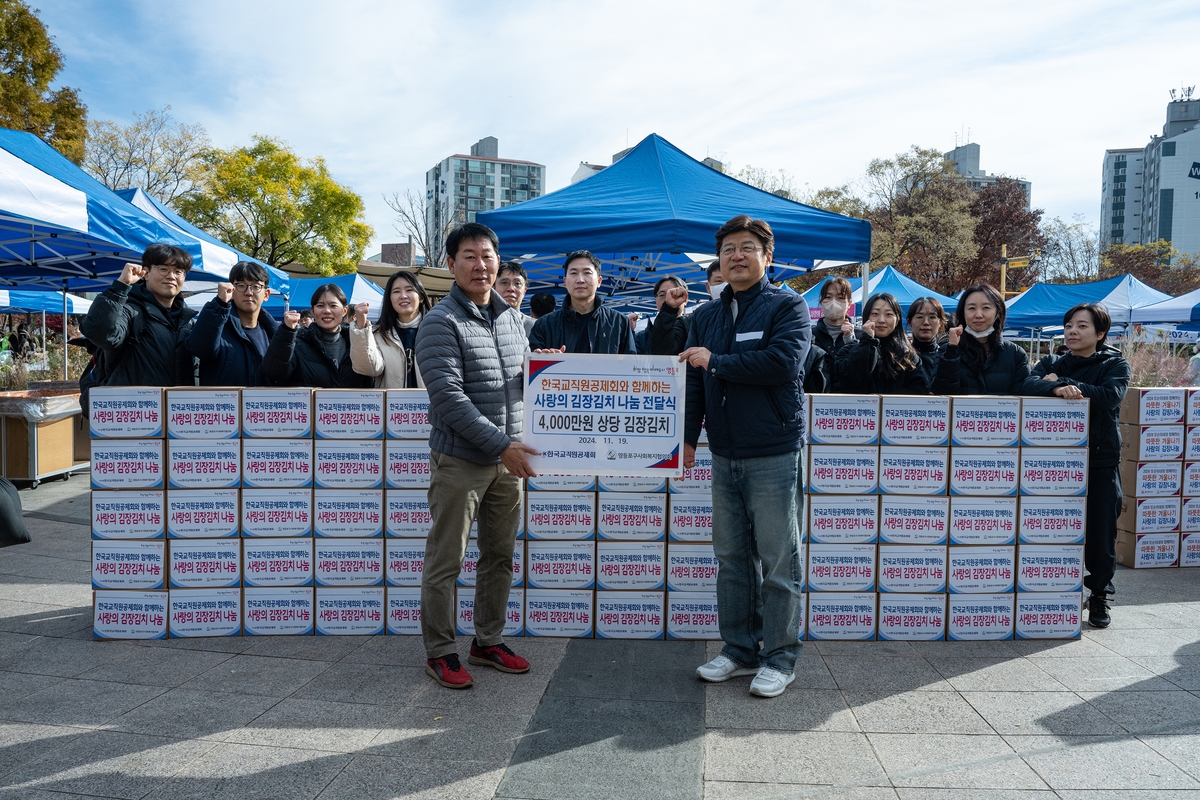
[1098, 611]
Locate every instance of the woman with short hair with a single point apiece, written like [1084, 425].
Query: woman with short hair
[318, 355]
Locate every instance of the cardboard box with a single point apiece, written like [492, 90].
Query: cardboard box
[561, 483]
[349, 611]
[348, 512]
[985, 421]
[558, 612]
[631, 517]
[840, 568]
[692, 568]
[407, 513]
[912, 470]
[348, 463]
[404, 610]
[277, 611]
[1050, 568]
[630, 566]
[843, 419]
[1054, 470]
[277, 413]
[204, 463]
[1191, 479]
[560, 515]
[469, 570]
[912, 617]
[915, 420]
[694, 480]
[1048, 615]
[983, 520]
[1147, 550]
[120, 412]
[984, 471]
[128, 464]
[348, 414]
[204, 612]
[128, 515]
[200, 412]
[277, 512]
[129, 615]
[277, 562]
[408, 464]
[513, 615]
[1189, 549]
[120, 564]
[837, 518]
[842, 615]
[691, 518]
[408, 414]
[1051, 520]
[1191, 443]
[561, 564]
[982, 570]
[630, 615]
[1152, 478]
[1189, 517]
[627, 483]
[1152, 442]
[204, 563]
[843, 469]
[202, 513]
[912, 568]
[348, 562]
[913, 520]
[277, 463]
[405, 561]
[1193, 407]
[1150, 515]
[1054, 422]
[1152, 406]
[980, 617]
[692, 615]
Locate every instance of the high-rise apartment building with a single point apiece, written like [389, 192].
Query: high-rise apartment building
[966, 164]
[461, 185]
[1121, 197]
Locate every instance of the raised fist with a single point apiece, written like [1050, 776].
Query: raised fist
[955, 334]
[291, 319]
[676, 297]
[869, 328]
[224, 292]
[848, 329]
[132, 273]
[360, 315]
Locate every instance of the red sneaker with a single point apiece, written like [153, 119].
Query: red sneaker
[449, 672]
[498, 656]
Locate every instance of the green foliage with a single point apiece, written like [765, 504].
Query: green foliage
[268, 203]
[29, 62]
[838, 199]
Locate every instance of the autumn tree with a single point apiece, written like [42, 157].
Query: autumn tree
[154, 153]
[1157, 264]
[29, 63]
[1071, 252]
[267, 202]
[778, 181]
[1003, 217]
[414, 217]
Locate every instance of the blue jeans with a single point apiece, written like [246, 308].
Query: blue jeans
[757, 504]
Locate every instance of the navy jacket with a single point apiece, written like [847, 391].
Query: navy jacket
[609, 331]
[1002, 373]
[751, 396]
[227, 356]
[666, 334]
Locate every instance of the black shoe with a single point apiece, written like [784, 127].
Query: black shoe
[1098, 611]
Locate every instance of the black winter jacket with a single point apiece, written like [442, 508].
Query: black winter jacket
[832, 346]
[1003, 373]
[931, 355]
[138, 342]
[750, 397]
[860, 371]
[666, 334]
[609, 331]
[296, 358]
[1103, 378]
[227, 356]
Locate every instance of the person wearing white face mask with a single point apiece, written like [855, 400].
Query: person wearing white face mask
[714, 281]
[977, 360]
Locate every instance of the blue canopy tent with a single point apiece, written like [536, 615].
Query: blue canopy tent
[1044, 304]
[888, 280]
[654, 213]
[1182, 309]
[357, 289]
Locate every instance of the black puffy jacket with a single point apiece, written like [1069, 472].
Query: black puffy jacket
[832, 346]
[1002, 373]
[750, 397]
[1103, 378]
[859, 370]
[608, 333]
[296, 357]
[666, 334]
[227, 357]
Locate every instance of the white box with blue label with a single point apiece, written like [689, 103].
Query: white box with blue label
[983, 520]
[913, 520]
[559, 612]
[630, 615]
[1061, 471]
[913, 617]
[277, 562]
[277, 413]
[277, 611]
[842, 615]
[631, 517]
[408, 414]
[842, 519]
[691, 518]
[1048, 615]
[404, 610]
[1051, 520]
[1154, 406]
[349, 611]
[981, 569]
[348, 413]
[128, 515]
[912, 470]
[843, 418]
[348, 562]
[560, 515]
[199, 412]
[693, 568]
[915, 420]
[202, 513]
[348, 463]
[408, 464]
[407, 513]
[841, 567]
[277, 463]
[128, 564]
[985, 421]
[204, 463]
[1054, 422]
[987, 471]
[204, 612]
[129, 614]
[630, 566]
[405, 562]
[128, 464]
[348, 512]
[1050, 568]
[277, 512]
[204, 563]
[692, 615]
[980, 617]
[843, 469]
[913, 568]
[121, 412]
[514, 624]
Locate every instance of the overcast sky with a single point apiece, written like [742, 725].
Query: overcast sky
[385, 89]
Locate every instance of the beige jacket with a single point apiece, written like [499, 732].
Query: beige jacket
[381, 358]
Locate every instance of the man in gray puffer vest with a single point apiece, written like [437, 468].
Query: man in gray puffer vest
[471, 351]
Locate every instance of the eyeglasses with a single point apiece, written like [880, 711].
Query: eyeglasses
[167, 269]
[746, 250]
[249, 288]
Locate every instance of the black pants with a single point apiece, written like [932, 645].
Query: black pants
[1100, 539]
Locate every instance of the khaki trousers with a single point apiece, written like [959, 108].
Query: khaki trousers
[461, 491]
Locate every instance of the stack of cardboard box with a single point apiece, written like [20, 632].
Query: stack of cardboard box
[1153, 429]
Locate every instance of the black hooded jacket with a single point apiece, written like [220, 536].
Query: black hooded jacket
[1003, 372]
[859, 370]
[296, 357]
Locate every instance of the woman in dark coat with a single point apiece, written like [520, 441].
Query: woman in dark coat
[883, 361]
[927, 321]
[1094, 369]
[318, 355]
[977, 360]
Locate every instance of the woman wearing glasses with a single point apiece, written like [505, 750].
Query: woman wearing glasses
[318, 355]
[232, 332]
[385, 351]
[927, 319]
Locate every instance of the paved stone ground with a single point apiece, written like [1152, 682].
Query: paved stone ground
[1113, 716]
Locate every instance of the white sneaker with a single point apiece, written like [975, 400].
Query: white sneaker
[770, 682]
[722, 669]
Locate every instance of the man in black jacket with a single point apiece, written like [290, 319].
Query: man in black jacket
[139, 325]
[231, 335]
[666, 334]
[583, 324]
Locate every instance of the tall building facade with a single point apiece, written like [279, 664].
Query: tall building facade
[461, 185]
[1121, 197]
[966, 163]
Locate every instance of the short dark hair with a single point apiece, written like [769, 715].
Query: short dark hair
[1101, 320]
[581, 254]
[675, 279]
[469, 231]
[743, 222]
[515, 268]
[714, 266]
[330, 288]
[541, 304]
[934, 304]
[168, 255]
[306, 314]
[842, 286]
[249, 271]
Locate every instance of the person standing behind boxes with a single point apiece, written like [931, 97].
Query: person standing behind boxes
[318, 355]
[231, 346]
[882, 362]
[139, 325]
[927, 319]
[583, 324]
[471, 351]
[666, 334]
[748, 350]
[1096, 370]
[385, 352]
[977, 360]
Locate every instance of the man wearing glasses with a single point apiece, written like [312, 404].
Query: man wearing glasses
[232, 332]
[138, 325]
